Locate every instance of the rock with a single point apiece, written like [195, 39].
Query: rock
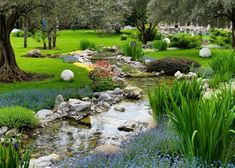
[119, 81]
[70, 59]
[44, 114]
[119, 108]
[107, 149]
[78, 105]
[104, 97]
[3, 130]
[12, 132]
[86, 121]
[106, 105]
[133, 92]
[86, 99]
[44, 161]
[36, 53]
[59, 99]
[67, 75]
[117, 91]
[205, 53]
[63, 107]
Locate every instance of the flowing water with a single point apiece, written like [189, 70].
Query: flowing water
[66, 138]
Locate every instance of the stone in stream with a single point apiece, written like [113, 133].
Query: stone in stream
[119, 108]
[133, 92]
[117, 91]
[45, 114]
[119, 81]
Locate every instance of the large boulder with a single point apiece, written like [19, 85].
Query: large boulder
[171, 65]
[44, 161]
[205, 53]
[133, 92]
[45, 114]
[107, 149]
[78, 105]
[58, 101]
[104, 97]
[67, 75]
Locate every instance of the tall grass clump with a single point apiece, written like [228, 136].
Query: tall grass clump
[160, 45]
[18, 117]
[11, 155]
[85, 44]
[135, 52]
[223, 63]
[159, 96]
[205, 127]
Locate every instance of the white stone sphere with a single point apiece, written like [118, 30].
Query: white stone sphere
[205, 53]
[167, 40]
[67, 75]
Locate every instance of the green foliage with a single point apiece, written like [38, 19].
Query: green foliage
[124, 37]
[102, 84]
[11, 155]
[160, 45]
[18, 117]
[185, 41]
[223, 63]
[85, 44]
[161, 96]
[220, 78]
[221, 37]
[205, 127]
[18, 34]
[135, 52]
[154, 35]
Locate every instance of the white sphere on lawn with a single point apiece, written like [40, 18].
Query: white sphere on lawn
[67, 75]
[167, 40]
[205, 53]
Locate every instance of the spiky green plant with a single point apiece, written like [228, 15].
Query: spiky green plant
[205, 127]
[223, 63]
[11, 155]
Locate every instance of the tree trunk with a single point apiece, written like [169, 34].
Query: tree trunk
[26, 30]
[49, 39]
[233, 34]
[143, 34]
[54, 38]
[9, 71]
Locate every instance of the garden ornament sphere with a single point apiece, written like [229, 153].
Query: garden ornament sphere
[205, 53]
[67, 75]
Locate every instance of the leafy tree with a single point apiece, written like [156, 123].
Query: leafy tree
[139, 17]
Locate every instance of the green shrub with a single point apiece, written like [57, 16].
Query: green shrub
[160, 45]
[185, 41]
[102, 84]
[223, 63]
[85, 44]
[124, 37]
[221, 37]
[18, 117]
[171, 65]
[11, 155]
[154, 35]
[135, 52]
[205, 127]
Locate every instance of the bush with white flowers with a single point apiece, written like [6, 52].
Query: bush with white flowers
[167, 40]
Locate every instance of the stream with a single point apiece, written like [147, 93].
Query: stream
[67, 138]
